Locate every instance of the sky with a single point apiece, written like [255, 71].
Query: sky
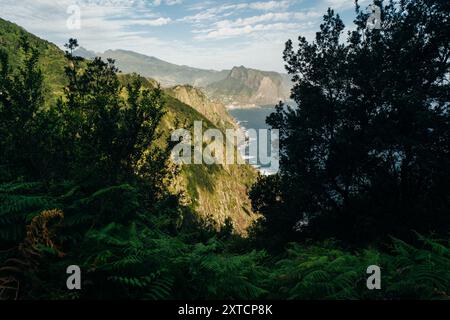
[208, 34]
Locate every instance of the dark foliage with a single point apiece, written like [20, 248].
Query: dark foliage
[365, 153]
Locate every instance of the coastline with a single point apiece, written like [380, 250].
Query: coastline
[242, 148]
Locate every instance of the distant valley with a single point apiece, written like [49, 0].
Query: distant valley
[239, 86]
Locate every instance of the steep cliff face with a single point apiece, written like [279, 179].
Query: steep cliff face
[215, 192]
[214, 111]
[249, 86]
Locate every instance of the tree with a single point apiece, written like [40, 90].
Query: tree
[365, 153]
[113, 127]
[95, 161]
[21, 97]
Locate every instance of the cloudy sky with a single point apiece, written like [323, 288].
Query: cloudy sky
[212, 34]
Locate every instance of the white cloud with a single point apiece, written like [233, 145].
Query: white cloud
[102, 27]
[270, 5]
[207, 15]
[167, 2]
[261, 5]
[209, 12]
[227, 32]
[343, 4]
[213, 34]
[266, 23]
[154, 23]
[268, 17]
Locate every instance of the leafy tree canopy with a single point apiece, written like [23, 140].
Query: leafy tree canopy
[365, 153]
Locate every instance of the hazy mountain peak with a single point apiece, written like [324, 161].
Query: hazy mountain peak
[85, 53]
[250, 87]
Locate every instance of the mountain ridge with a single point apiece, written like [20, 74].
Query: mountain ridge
[168, 74]
[250, 86]
[240, 85]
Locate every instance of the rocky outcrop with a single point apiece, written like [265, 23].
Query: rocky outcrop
[251, 87]
[214, 111]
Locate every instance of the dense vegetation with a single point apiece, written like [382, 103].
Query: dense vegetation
[218, 192]
[86, 181]
[366, 154]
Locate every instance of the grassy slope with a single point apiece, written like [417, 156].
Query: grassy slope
[214, 191]
[52, 60]
[215, 111]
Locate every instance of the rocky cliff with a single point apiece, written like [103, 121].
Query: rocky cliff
[214, 111]
[251, 87]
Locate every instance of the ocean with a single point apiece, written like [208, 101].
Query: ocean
[254, 118]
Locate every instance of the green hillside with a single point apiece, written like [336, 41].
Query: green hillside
[93, 208]
[214, 192]
[215, 111]
[52, 58]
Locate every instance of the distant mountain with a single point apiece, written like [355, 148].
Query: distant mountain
[168, 74]
[85, 53]
[250, 86]
[237, 86]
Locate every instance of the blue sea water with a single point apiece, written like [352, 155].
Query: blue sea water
[254, 118]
